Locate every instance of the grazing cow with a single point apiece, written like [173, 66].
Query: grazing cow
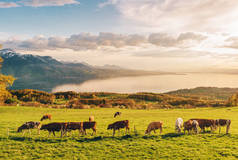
[28, 126]
[118, 125]
[91, 118]
[178, 125]
[74, 126]
[89, 125]
[55, 127]
[117, 114]
[204, 123]
[191, 125]
[46, 116]
[154, 126]
[223, 122]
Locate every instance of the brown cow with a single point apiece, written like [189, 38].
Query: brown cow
[74, 126]
[55, 127]
[191, 125]
[118, 125]
[154, 126]
[91, 118]
[89, 125]
[204, 123]
[223, 122]
[46, 116]
[28, 126]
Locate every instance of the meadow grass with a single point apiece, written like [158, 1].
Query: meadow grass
[168, 145]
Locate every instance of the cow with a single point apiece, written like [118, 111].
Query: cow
[154, 126]
[55, 127]
[178, 124]
[204, 123]
[91, 118]
[223, 122]
[89, 125]
[117, 114]
[46, 116]
[191, 125]
[74, 126]
[29, 125]
[118, 125]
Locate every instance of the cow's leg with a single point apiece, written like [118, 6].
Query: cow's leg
[154, 131]
[95, 131]
[161, 129]
[29, 131]
[227, 128]
[113, 132]
[54, 133]
[92, 132]
[49, 133]
[61, 133]
[23, 132]
[80, 132]
[127, 130]
[219, 129]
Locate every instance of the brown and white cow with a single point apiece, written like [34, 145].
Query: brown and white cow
[191, 125]
[154, 126]
[118, 125]
[205, 123]
[46, 116]
[223, 122]
[117, 114]
[29, 125]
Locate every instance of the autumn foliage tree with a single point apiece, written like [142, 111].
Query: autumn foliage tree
[5, 82]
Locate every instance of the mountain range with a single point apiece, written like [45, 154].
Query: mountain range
[45, 73]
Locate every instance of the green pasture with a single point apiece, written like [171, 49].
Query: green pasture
[136, 145]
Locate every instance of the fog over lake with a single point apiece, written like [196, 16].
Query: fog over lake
[157, 84]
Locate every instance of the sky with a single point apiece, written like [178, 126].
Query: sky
[166, 35]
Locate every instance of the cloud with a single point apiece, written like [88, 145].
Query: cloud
[232, 43]
[8, 4]
[38, 3]
[188, 39]
[42, 3]
[178, 15]
[86, 41]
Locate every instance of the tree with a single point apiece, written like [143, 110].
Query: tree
[5, 82]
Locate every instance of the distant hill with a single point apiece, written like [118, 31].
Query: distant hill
[206, 93]
[44, 72]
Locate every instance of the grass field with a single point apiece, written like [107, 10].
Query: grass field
[168, 145]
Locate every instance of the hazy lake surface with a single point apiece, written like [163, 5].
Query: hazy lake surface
[158, 84]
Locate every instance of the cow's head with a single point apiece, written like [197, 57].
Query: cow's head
[44, 126]
[146, 131]
[110, 126]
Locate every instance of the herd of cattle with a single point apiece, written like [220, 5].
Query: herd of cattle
[192, 125]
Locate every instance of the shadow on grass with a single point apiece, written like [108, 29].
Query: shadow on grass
[163, 136]
[171, 135]
[100, 138]
[48, 140]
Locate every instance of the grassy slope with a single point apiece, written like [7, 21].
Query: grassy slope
[103, 146]
[211, 93]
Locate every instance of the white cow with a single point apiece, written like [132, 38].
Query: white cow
[178, 125]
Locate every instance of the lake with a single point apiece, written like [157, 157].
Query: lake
[157, 84]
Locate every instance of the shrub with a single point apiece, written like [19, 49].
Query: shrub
[30, 95]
